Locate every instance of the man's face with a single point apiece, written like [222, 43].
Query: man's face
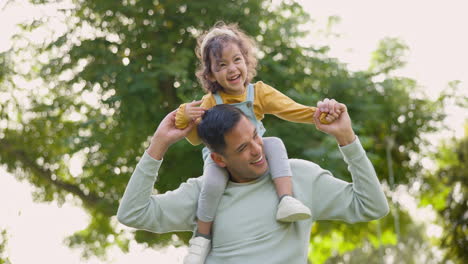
[243, 156]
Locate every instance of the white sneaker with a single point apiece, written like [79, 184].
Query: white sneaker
[291, 210]
[199, 247]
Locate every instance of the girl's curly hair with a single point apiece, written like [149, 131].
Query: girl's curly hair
[214, 45]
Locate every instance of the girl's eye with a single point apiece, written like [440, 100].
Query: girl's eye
[238, 59]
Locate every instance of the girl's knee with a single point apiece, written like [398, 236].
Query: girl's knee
[273, 142]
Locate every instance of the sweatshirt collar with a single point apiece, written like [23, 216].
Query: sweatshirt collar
[265, 175]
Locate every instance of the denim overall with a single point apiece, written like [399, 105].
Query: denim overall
[247, 108]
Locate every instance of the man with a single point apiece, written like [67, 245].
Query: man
[245, 230]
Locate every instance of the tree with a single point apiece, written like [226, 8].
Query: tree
[106, 81]
[390, 122]
[3, 247]
[412, 248]
[446, 190]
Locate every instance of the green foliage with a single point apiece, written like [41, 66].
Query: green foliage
[447, 190]
[389, 56]
[412, 248]
[122, 66]
[3, 247]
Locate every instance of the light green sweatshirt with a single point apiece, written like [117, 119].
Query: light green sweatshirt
[245, 229]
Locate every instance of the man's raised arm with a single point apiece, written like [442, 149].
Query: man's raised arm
[361, 200]
[171, 211]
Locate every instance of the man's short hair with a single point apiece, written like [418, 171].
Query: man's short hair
[216, 122]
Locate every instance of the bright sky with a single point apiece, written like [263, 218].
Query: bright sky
[435, 32]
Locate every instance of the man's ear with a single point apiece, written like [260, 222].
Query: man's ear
[218, 159]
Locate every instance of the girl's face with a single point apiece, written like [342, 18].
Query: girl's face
[230, 71]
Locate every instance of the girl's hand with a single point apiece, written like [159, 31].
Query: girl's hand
[332, 108]
[341, 127]
[193, 111]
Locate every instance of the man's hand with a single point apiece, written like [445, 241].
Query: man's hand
[166, 134]
[341, 127]
[193, 111]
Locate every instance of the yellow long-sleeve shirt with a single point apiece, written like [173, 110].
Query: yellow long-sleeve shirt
[267, 100]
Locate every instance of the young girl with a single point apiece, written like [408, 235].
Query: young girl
[227, 66]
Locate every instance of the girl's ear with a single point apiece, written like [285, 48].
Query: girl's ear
[218, 159]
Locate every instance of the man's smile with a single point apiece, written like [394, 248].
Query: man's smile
[259, 161]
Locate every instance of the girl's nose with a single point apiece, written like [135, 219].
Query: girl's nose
[231, 67]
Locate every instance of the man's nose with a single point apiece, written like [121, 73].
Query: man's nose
[256, 148]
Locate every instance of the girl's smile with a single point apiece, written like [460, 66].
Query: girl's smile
[230, 71]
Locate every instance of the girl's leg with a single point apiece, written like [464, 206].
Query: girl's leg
[289, 208]
[204, 229]
[278, 161]
[283, 185]
[214, 182]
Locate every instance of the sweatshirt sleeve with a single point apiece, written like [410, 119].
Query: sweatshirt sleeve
[181, 119]
[171, 211]
[359, 201]
[192, 137]
[274, 102]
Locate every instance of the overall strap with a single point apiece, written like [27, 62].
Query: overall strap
[218, 98]
[250, 93]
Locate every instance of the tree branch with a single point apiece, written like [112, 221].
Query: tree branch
[90, 200]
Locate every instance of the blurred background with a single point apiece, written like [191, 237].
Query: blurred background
[84, 84]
